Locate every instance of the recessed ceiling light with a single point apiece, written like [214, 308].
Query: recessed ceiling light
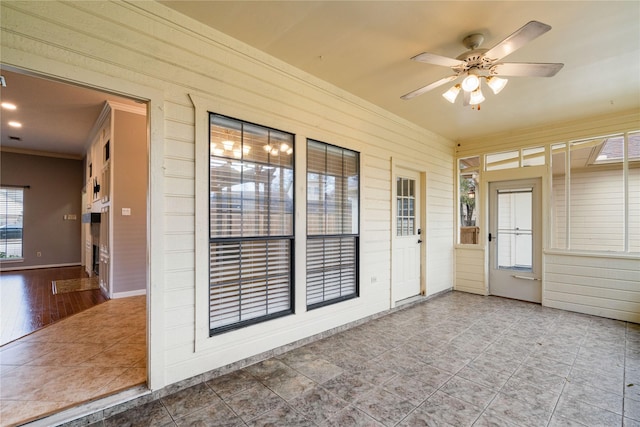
[15, 124]
[8, 106]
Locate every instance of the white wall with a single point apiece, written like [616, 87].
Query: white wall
[185, 68]
[597, 209]
[605, 286]
[471, 269]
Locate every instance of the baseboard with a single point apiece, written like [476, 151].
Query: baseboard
[127, 294]
[35, 267]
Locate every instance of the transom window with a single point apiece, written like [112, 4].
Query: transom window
[250, 224]
[333, 194]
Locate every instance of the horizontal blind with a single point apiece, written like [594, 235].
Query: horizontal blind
[331, 268]
[248, 280]
[332, 223]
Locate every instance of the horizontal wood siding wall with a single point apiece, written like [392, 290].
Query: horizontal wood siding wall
[597, 210]
[598, 285]
[145, 44]
[470, 270]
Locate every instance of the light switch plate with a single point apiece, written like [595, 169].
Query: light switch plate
[126, 211]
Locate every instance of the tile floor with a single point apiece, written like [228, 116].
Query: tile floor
[455, 360]
[94, 353]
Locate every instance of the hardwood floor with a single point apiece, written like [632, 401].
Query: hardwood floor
[27, 302]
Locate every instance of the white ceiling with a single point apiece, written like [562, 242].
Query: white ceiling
[56, 117]
[364, 48]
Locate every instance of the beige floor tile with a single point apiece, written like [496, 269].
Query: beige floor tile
[26, 382]
[27, 352]
[15, 412]
[129, 378]
[69, 354]
[118, 355]
[78, 384]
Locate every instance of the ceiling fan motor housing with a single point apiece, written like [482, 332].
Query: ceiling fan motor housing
[474, 59]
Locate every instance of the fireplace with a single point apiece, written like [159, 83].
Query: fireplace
[95, 260]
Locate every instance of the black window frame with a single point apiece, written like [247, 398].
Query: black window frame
[289, 238]
[329, 236]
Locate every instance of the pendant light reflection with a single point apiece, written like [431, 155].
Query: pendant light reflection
[471, 82]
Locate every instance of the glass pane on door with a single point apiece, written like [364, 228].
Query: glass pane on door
[514, 239]
[405, 202]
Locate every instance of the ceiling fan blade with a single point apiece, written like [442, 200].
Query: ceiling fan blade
[428, 87]
[515, 41]
[526, 69]
[432, 58]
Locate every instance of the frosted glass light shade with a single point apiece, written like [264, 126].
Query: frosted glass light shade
[496, 84]
[452, 94]
[476, 97]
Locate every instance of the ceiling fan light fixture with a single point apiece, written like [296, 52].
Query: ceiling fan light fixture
[476, 97]
[452, 93]
[496, 84]
[471, 82]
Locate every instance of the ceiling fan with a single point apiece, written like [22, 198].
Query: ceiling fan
[477, 64]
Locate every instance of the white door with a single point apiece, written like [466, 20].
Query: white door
[515, 245]
[407, 236]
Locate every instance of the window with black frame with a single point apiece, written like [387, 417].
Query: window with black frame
[333, 223]
[250, 223]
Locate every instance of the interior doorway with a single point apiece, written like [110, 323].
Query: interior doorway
[107, 355]
[515, 243]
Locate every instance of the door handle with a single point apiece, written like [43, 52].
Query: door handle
[419, 241]
[525, 277]
[489, 236]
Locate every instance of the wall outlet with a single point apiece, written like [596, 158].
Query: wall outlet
[38, 254]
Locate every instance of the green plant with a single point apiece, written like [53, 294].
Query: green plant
[467, 201]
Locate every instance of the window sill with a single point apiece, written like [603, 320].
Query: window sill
[568, 252]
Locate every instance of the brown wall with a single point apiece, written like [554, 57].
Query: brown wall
[129, 170]
[55, 190]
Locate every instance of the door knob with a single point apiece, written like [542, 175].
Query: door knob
[419, 241]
